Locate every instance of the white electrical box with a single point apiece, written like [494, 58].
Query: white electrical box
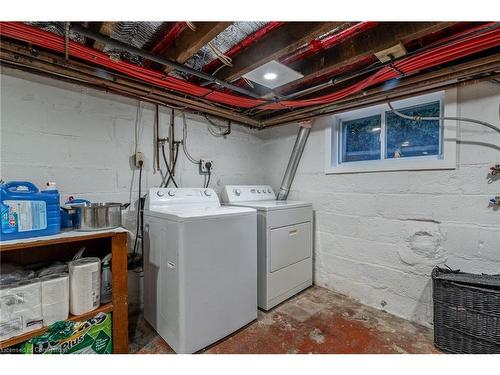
[206, 166]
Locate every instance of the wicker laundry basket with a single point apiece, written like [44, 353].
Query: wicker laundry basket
[466, 312]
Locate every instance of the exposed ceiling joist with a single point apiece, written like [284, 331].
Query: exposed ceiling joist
[360, 47]
[191, 41]
[105, 29]
[277, 44]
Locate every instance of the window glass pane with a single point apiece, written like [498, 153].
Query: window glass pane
[361, 139]
[407, 138]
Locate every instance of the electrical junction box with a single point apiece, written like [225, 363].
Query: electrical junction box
[206, 165]
[139, 159]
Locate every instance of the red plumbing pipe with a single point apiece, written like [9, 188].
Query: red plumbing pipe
[328, 42]
[466, 46]
[435, 56]
[167, 39]
[246, 42]
[56, 43]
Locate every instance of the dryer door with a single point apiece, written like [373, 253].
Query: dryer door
[289, 245]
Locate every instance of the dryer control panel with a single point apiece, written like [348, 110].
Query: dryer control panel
[247, 193]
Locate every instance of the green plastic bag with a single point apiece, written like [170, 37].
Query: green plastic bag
[93, 336]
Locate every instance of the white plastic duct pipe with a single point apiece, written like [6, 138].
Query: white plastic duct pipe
[293, 163]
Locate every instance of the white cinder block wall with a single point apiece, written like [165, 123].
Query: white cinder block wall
[83, 140]
[378, 235]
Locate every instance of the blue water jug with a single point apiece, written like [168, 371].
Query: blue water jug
[27, 212]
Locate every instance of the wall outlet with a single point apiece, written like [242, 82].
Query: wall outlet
[139, 159]
[206, 165]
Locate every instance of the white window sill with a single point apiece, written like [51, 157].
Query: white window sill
[408, 164]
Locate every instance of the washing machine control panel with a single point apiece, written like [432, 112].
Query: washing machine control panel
[244, 193]
[163, 197]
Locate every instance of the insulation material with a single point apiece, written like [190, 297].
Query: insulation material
[137, 34]
[57, 28]
[232, 35]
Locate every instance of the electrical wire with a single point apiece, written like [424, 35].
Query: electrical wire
[173, 164]
[216, 133]
[168, 166]
[209, 175]
[138, 223]
[442, 118]
[226, 60]
[184, 141]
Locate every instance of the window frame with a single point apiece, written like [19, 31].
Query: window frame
[448, 136]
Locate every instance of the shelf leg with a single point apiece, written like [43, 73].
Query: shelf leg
[120, 293]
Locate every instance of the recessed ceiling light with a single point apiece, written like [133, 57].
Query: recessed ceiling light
[270, 76]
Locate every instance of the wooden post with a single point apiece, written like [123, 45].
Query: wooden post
[120, 292]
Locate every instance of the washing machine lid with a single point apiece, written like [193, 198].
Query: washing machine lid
[197, 212]
[271, 205]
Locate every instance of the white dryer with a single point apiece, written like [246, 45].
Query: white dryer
[284, 241]
[200, 267]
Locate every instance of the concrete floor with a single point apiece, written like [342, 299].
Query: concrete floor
[315, 321]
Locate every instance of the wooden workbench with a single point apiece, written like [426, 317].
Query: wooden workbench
[62, 248]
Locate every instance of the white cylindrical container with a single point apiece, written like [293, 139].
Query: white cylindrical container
[55, 298]
[84, 285]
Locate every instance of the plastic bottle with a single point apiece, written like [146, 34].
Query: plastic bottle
[30, 212]
[106, 280]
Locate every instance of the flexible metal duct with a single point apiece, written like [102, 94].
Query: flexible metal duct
[293, 163]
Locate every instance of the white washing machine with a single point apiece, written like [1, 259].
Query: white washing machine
[200, 267]
[284, 241]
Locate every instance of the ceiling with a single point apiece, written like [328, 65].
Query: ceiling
[199, 66]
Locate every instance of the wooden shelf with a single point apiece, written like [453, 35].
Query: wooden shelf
[41, 241]
[62, 248]
[106, 308]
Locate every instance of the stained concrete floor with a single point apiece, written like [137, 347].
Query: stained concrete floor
[315, 321]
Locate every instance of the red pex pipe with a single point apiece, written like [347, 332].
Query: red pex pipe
[321, 44]
[167, 40]
[56, 43]
[172, 34]
[436, 56]
[439, 55]
[246, 42]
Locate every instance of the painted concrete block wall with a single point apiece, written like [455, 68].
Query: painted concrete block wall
[83, 140]
[378, 235]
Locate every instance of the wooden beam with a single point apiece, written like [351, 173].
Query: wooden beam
[275, 45]
[191, 41]
[105, 29]
[361, 46]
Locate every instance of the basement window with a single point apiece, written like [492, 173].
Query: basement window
[376, 139]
